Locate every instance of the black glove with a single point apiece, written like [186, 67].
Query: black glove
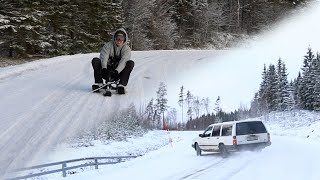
[104, 73]
[114, 74]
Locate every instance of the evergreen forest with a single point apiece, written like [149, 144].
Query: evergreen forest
[44, 28]
[276, 94]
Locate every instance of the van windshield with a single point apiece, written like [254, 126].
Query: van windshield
[252, 127]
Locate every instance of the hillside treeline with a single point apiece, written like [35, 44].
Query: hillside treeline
[276, 93]
[55, 27]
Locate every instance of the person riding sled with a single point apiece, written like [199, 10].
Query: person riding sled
[114, 64]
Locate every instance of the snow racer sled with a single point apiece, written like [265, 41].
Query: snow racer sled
[107, 88]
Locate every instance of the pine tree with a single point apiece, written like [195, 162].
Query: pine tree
[20, 28]
[162, 29]
[162, 101]
[138, 20]
[255, 106]
[189, 99]
[262, 103]
[272, 89]
[316, 80]
[285, 102]
[218, 110]
[189, 113]
[149, 121]
[216, 17]
[200, 25]
[306, 84]
[181, 101]
[100, 19]
[217, 107]
[125, 121]
[297, 83]
[8, 28]
[184, 19]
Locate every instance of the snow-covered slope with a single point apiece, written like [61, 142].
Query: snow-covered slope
[44, 102]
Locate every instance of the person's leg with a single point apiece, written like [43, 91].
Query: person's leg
[125, 73]
[97, 68]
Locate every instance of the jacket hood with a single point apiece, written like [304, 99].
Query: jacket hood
[122, 30]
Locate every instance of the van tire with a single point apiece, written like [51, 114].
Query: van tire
[198, 150]
[223, 151]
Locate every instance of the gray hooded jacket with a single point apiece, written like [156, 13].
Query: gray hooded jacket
[108, 49]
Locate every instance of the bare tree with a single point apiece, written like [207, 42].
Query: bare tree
[206, 102]
[196, 105]
[172, 118]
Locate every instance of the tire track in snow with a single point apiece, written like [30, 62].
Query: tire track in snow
[226, 168]
[203, 170]
[32, 128]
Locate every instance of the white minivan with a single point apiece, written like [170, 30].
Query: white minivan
[232, 136]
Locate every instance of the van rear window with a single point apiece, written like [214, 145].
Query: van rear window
[253, 127]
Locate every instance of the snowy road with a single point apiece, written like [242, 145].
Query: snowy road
[287, 158]
[44, 102]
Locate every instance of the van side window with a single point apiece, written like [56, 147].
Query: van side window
[216, 131]
[226, 130]
[207, 132]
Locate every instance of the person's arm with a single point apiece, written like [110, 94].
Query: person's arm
[125, 56]
[105, 53]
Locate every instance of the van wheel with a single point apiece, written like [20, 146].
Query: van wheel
[223, 151]
[198, 150]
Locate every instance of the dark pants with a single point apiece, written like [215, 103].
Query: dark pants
[123, 75]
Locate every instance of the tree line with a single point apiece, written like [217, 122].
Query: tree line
[55, 27]
[276, 93]
[196, 112]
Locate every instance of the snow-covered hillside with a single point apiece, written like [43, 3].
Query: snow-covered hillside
[168, 155]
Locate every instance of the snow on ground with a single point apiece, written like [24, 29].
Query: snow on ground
[291, 156]
[134, 146]
[302, 124]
